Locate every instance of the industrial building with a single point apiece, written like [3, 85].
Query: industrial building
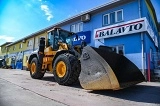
[129, 26]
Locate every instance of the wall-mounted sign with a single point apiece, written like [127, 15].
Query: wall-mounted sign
[82, 36]
[12, 55]
[151, 33]
[120, 29]
[134, 26]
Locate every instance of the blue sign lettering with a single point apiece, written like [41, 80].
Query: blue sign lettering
[82, 36]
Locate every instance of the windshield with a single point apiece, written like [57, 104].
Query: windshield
[61, 35]
[69, 41]
[65, 36]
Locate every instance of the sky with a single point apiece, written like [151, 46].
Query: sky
[19, 18]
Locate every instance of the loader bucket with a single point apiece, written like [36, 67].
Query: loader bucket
[102, 69]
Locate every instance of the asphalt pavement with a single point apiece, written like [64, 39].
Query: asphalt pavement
[14, 95]
[17, 88]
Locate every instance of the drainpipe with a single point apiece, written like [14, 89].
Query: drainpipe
[143, 58]
[22, 59]
[142, 39]
[139, 5]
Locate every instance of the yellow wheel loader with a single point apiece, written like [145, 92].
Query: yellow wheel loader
[96, 68]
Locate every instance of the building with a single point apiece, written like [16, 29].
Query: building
[19, 51]
[3, 49]
[129, 26]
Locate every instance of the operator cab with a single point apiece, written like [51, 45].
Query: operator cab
[58, 35]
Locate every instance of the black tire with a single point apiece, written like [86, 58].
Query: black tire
[72, 69]
[38, 74]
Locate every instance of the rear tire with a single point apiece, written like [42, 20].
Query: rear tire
[36, 69]
[72, 69]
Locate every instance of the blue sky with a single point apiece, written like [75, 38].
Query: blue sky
[19, 18]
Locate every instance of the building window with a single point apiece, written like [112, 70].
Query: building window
[77, 27]
[119, 16]
[20, 45]
[29, 43]
[80, 28]
[113, 17]
[73, 28]
[118, 49]
[9, 49]
[37, 40]
[106, 19]
[14, 47]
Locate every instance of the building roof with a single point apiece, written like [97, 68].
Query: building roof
[5, 44]
[105, 6]
[154, 14]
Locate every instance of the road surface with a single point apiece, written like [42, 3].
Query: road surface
[17, 88]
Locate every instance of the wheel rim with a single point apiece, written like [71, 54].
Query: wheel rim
[61, 69]
[33, 68]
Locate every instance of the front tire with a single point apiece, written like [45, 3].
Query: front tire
[66, 69]
[36, 69]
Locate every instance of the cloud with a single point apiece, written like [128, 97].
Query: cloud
[6, 38]
[47, 11]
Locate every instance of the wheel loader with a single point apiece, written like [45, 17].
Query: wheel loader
[95, 68]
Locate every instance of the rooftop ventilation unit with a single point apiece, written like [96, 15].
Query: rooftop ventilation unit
[85, 18]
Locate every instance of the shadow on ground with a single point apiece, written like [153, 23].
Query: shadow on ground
[51, 79]
[137, 93]
[48, 78]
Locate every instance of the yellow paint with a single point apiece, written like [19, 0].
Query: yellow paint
[50, 68]
[33, 68]
[16, 47]
[25, 58]
[48, 49]
[3, 50]
[10, 49]
[61, 69]
[63, 46]
[28, 65]
[8, 61]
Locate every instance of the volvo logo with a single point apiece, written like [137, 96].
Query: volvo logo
[83, 37]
